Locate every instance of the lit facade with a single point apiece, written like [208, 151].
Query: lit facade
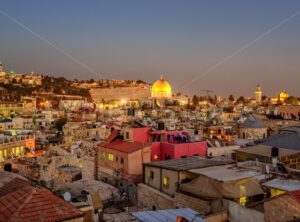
[258, 94]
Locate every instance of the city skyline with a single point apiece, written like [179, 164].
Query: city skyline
[142, 40]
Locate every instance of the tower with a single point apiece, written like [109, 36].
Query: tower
[1, 67]
[258, 94]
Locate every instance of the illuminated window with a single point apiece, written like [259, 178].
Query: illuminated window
[166, 181]
[1, 154]
[17, 151]
[5, 153]
[21, 149]
[110, 157]
[156, 157]
[13, 151]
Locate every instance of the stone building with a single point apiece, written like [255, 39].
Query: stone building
[251, 128]
[122, 161]
[263, 153]
[162, 181]
[289, 111]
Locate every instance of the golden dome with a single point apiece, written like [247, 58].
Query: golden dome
[161, 89]
[283, 96]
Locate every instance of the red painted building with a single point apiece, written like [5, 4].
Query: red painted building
[166, 150]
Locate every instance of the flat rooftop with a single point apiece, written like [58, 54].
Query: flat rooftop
[263, 150]
[188, 163]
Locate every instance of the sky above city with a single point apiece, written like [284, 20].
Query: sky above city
[225, 46]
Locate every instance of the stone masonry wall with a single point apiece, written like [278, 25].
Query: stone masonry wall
[185, 201]
[149, 197]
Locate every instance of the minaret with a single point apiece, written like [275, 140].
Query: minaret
[258, 94]
[1, 67]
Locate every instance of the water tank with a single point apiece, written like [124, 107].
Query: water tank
[274, 152]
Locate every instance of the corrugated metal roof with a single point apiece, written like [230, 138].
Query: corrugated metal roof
[167, 215]
[220, 173]
[224, 174]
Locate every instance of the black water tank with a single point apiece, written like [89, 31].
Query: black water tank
[7, 167]
[275, 152]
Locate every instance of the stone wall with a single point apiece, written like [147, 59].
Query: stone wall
[225, 151]
[149, 198]
[253, 133]
[186, 201]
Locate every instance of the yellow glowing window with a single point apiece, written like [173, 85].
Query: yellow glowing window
[166, 181]
[110, 157]
[17, 151]
[21, 149]
[5, 153]
[13, 150]
[1, 154]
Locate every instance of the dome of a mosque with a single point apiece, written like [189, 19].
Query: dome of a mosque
[161, 89]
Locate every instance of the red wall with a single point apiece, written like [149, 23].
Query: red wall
[140, 134]
[176, 151]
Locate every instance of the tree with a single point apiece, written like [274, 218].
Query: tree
[195, 100]
[292, 100]
[60, 123]
[231, 98]
[241, 100]
[264, 98]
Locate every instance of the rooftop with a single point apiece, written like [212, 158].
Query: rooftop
[34, 204]
[188, 163]
[123, 146]
[285, 139]
[283, 184]
[251, 122]
[167, 215]
[223, 174]
[263, 150]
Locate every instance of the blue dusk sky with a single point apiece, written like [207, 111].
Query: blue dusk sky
[209, 41]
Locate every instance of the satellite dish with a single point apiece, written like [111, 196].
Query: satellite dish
[67, 196]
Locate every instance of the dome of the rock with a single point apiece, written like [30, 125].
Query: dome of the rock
[161, 89]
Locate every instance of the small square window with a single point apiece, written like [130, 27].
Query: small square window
[110, 157]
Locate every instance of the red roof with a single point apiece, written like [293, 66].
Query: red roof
[31, 204]
[114, 134]
[123, 146]
[13, 186]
